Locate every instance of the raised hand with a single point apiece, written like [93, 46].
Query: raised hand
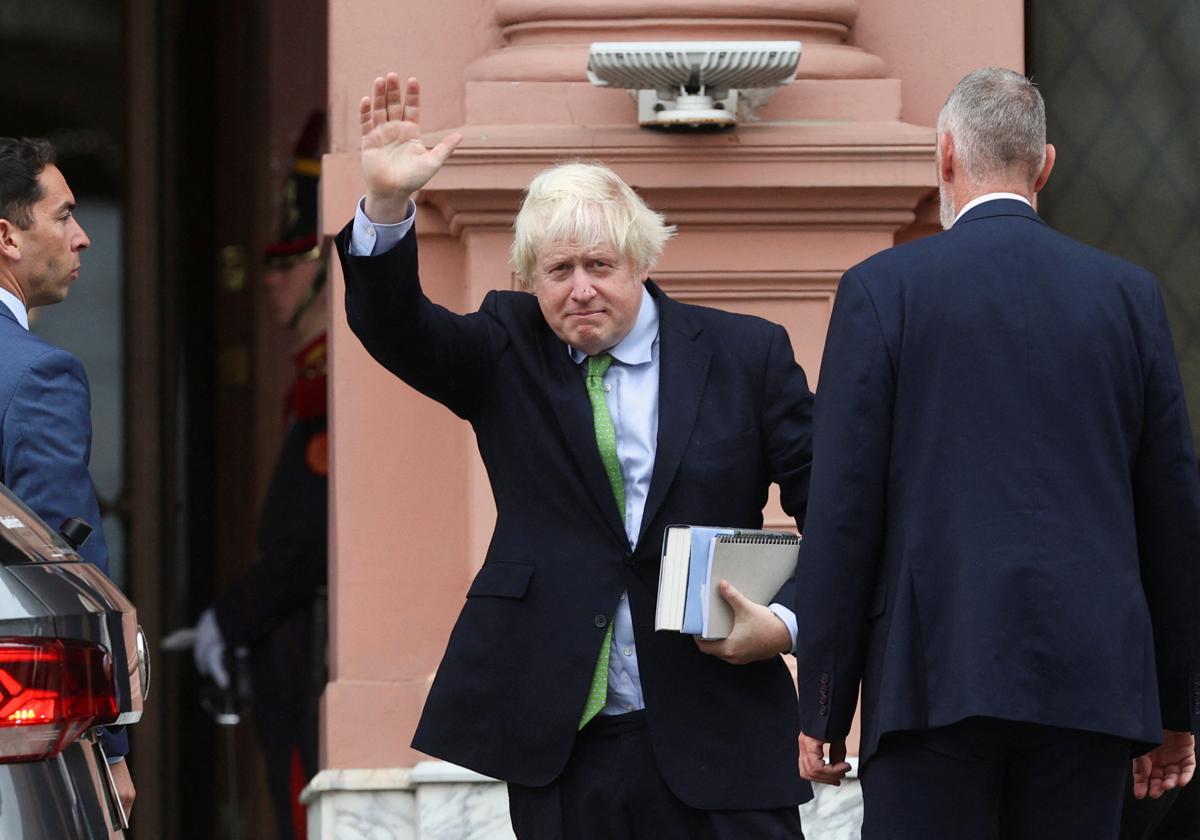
[395, 163]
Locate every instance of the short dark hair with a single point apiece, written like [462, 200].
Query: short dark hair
[21, 162]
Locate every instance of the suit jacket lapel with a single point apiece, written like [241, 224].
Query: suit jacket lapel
[683, 373]
[568, 397]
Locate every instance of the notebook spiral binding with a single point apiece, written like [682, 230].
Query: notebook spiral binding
[759, 539]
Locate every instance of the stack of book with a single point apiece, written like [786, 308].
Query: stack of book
[696, 558]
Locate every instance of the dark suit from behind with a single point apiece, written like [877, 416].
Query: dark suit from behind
[1005, 514]
[733, 418]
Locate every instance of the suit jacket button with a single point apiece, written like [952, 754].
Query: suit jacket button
[600, 620]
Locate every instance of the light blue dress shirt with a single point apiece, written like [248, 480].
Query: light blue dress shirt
[368, 239]
[631, 390]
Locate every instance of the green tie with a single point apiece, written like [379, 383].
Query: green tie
[606, 440]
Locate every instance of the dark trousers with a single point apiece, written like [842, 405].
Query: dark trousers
[984, 779]
[611, 790]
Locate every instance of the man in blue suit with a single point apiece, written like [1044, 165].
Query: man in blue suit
[45, 407]
[604, 411]
[1003, 536]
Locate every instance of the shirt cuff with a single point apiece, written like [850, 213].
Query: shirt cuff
[368, 239]
[787, 617]
[114, 759]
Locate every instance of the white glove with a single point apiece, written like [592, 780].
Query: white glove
[209, 649]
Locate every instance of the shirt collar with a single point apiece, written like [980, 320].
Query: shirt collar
[975, 202]
[14, 304]
[638, 346]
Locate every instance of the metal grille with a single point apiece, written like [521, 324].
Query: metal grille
[1122, 88]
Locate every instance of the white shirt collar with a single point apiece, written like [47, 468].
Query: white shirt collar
[18, 309]
[638, 346]
[975, 202]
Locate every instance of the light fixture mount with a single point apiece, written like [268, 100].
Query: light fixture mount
[691, 83]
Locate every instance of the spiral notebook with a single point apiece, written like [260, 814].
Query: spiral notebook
[756, 564]
[693, 556]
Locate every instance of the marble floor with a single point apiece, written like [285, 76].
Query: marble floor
[438, 801]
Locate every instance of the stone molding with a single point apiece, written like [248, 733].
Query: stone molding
[548, 41]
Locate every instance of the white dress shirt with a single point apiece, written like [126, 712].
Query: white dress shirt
[975, 202]
[16, 307]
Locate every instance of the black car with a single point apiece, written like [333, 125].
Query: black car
[72, 658]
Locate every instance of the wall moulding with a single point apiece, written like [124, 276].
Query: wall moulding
[510, 12]
[459, 213]
[464, 210]
[725, 187]
[775, 156]
[567, 62]
[766, 220]
[813, 33]
[548, 41]
[737, 289]
[552, 103]
[748, 285]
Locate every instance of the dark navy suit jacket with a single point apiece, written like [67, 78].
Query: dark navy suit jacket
[734, 414]
[46, 439]
[1005, 512]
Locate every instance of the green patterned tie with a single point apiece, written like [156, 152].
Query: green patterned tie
[606, 440]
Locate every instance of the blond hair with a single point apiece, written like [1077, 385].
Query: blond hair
[585, 204]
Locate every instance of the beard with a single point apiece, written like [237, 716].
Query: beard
[946, 209]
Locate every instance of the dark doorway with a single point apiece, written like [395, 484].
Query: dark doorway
[174, 123]
[217, 92]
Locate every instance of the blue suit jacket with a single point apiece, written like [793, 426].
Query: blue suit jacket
[734, 411]
[46, 439]
[1005, 512]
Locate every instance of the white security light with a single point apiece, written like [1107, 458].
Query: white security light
[692, 83]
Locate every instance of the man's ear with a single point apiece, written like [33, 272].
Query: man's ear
[945, 160]
[10, 240]
[1044, 176]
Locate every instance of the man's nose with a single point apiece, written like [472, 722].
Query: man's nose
[581, 284]
[81, 238]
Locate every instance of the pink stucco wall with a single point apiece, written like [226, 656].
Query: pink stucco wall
[769, 216]
[930, 45]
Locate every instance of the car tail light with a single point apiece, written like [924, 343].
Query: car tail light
[51, 691]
